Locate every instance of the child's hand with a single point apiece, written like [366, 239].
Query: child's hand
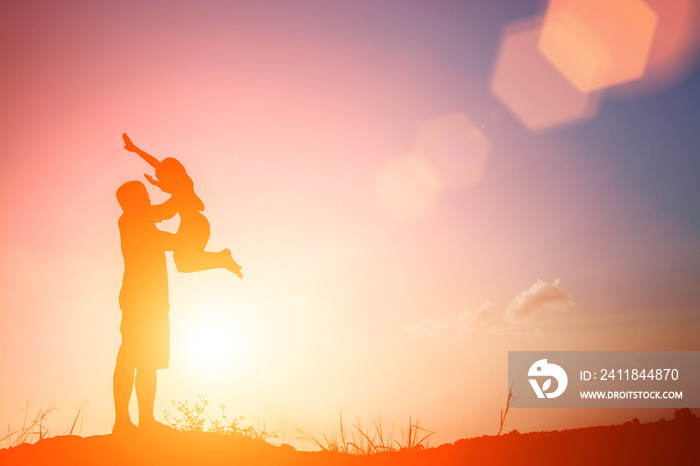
[128, 145]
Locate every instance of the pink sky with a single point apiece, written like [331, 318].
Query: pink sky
[289, 119]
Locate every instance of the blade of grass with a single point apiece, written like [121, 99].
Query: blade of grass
[75, 420]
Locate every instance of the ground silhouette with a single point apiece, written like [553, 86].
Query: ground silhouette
[663, 442]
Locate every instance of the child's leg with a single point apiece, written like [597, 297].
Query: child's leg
[190, 255]
[188, 261]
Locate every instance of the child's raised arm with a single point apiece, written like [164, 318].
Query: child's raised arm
[128, 145]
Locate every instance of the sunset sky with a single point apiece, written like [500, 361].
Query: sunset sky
[381, 275]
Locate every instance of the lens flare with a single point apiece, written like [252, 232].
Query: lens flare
[533, 90]
[675, 52]
[408, 186]
[457, 148]
[596, 44]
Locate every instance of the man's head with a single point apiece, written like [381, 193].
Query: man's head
[133, 196]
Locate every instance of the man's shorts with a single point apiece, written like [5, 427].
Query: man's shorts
[146, 338]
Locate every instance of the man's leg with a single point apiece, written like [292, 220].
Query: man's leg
[146, 382]
[123, 384]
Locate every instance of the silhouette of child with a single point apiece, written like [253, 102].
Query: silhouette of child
[193, 233]
[143, 299]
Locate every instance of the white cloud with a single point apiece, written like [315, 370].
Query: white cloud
[516, 320]
[539, 297]
[465, 323]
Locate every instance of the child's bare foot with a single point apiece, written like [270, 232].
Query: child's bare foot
[232, 265]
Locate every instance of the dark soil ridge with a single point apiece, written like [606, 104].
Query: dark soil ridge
[675, 442]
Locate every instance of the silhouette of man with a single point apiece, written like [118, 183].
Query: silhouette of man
[143, 299]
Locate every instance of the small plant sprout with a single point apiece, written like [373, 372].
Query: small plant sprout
[34, 431]
[509, 402]
[412, 441]
[364, 441]
[194, 418]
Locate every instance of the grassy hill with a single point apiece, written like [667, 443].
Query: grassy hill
[674, 442]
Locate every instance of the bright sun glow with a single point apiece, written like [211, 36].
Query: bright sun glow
[211, 337]
[210, 344]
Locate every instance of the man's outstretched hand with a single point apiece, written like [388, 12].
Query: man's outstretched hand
[128, 145]
[151, 180]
